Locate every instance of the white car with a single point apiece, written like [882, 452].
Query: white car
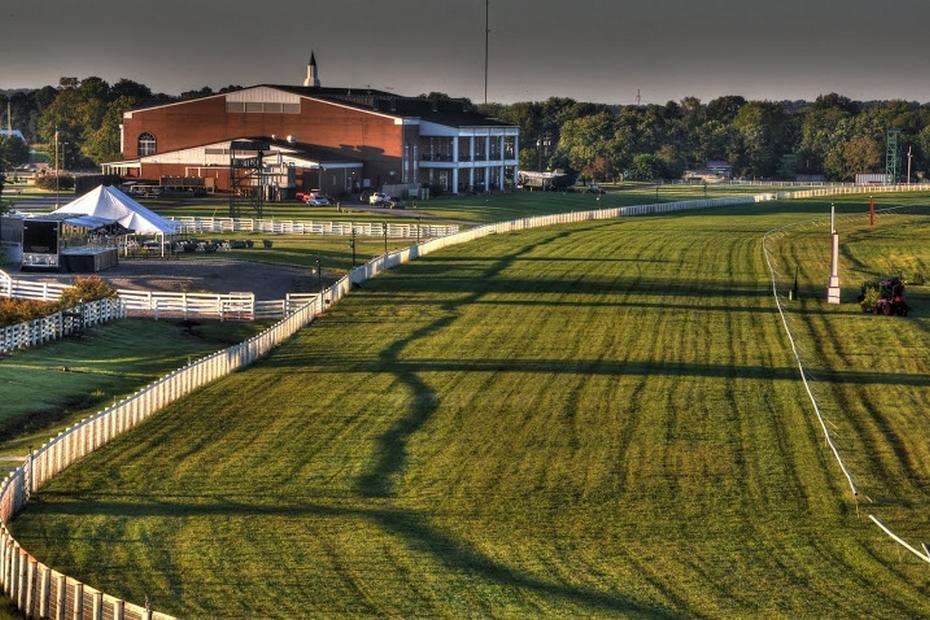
[317, 200]
[378, 198]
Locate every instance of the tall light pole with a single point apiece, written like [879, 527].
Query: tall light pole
[487, 37]
[909, 156]
[57, 188]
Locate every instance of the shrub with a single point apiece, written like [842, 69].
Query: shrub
[86, 288]
[13, 311]
[870, 293]
[47, 182]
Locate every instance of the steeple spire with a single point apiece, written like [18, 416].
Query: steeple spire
[313, 77]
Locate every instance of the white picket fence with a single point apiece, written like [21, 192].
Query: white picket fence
[206, 225]
[36, 588]
[60, 324]
[160, 304]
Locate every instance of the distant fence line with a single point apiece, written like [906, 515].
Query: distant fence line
[37, 589]
[206, 225]
[60, 324]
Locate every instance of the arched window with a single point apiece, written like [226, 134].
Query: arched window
[146, 144]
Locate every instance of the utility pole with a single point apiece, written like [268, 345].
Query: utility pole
[909, 156]
[487, 38]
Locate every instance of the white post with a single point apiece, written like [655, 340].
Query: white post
[455, 164]
[833, 289]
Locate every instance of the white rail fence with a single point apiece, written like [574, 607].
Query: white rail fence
[159, 304]
[39, 590]
[60, 324]
[205, 225]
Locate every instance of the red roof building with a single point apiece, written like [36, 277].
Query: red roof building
[338, 140]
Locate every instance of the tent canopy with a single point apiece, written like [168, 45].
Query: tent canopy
[108, 203]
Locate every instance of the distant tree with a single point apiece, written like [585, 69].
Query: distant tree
[13, 152]
[103, 144]
[645, 167]
[857, 155]
[762, 127]
[131, 89]
[724, 109]
[206, 91]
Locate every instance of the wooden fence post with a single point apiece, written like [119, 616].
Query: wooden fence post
[61, 598]
[78, 602]
[45, 591]
[31, 587]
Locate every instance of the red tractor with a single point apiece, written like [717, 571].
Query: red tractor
[884, 297]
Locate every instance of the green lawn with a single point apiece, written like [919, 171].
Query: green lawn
[597, 419]
[870, 372]
[47, 388]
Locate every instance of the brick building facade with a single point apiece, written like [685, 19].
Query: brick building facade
[381, 137]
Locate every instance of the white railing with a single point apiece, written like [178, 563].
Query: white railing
[206, 225]
[29, 582]
[60, 324]
[159, 304]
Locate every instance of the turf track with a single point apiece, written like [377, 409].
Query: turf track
[594, 419]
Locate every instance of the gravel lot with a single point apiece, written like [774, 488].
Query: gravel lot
[202, 275]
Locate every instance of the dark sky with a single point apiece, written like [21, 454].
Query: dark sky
[595, 50]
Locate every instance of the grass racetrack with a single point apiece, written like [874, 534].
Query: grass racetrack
[595, 419]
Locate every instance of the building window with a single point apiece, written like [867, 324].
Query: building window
[146, 144]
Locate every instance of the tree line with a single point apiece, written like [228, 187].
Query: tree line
[832, 136]
[86, 113]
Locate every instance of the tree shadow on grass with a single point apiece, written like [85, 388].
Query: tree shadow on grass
[410, 527]
[391, 454]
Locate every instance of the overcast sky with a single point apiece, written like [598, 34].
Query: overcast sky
[595, 50]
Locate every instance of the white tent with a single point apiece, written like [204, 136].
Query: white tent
[109, 203]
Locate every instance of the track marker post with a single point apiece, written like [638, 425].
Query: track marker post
[871, 210]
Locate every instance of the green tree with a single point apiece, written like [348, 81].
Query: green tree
[13, 152]
[763, 128]
[103, 144]
[854, 156]
[645, 167]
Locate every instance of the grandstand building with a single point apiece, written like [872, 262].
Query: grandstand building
[339, 140]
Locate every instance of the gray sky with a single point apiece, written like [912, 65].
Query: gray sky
[595, 50]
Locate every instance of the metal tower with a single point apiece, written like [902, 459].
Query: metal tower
[246, 181]
[892, 154]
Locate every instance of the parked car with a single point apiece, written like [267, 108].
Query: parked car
[145, 191]
[317, 200]
[378, 198]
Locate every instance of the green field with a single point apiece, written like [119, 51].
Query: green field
[47, 388]
[595, 419]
